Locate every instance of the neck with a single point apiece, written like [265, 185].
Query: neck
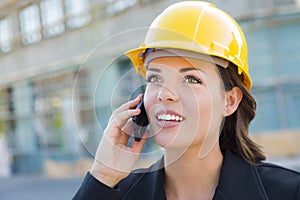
[188, 175]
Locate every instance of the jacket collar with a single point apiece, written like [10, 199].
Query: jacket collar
[239, 180]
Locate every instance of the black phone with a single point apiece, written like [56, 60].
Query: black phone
[140, 122]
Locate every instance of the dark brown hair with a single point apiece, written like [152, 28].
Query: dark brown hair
[234, 135]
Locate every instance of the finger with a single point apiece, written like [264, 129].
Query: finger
[121, 119]
[117, 133]
[129, 105]
[128, 127]
[115, 137]
[138, 146]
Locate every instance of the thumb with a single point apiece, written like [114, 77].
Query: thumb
[137, 146]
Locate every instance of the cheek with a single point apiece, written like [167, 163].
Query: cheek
[199, 110]
[209, 115]
[197, 102]
[149, 98]
[203, 109]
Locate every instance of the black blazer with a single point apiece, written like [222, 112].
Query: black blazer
[239, 180]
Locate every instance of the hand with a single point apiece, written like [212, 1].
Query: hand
[114, 160]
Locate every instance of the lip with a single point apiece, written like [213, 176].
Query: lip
[168, 124]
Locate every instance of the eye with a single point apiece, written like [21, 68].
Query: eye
[153, 79]
[192, 79]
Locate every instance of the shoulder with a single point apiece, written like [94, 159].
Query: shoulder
[279, 180]
[261, 181]
[276, 173]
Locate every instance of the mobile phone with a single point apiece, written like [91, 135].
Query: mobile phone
[140, 122]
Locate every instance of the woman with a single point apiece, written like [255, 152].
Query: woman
[197, 100]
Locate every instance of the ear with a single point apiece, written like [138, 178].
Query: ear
[233, 99]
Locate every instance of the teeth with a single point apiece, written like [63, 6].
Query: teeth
[168, 117]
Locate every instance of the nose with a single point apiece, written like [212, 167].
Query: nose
[166, 94]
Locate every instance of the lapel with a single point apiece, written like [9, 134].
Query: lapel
[239, 180]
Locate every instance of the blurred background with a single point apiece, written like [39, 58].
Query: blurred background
[55, 98]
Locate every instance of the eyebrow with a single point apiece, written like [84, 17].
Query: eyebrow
[182, 70]
[153, 69]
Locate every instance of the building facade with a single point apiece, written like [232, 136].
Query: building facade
[63, 72]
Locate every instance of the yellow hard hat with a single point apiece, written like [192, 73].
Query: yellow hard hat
[198, 27]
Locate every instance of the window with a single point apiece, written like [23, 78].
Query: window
[30, 24]
[52, 103]
[117, 6]
[5, 35]
[268, 115]
[291, 94]
[77, 13]
[7, 119]
[52, 14]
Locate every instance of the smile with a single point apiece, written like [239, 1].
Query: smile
[169, 117]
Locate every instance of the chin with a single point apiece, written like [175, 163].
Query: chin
[172, 142]
[163, 140]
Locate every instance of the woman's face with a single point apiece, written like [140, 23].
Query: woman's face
[185, 102]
